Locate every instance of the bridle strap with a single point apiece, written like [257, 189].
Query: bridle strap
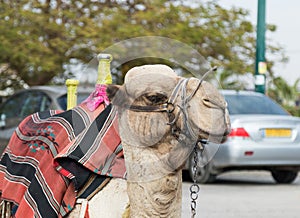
[200, 82]
[148, 108]
[175, 91]
[183, 106]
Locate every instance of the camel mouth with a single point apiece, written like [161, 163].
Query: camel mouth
[213, 137]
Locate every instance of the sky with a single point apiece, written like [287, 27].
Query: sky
[285, 14]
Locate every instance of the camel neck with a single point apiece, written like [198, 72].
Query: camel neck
[152, 191]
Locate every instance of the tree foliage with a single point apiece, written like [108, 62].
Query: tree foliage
[285, 94]
[39, 38]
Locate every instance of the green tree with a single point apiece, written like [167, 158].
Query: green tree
[285, 94]
[9, 81]
[40, 38]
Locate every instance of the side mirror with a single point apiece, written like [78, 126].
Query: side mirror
[2, 121]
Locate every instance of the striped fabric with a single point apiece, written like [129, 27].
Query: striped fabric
[53, 155]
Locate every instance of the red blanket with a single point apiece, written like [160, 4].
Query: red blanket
[52, 154]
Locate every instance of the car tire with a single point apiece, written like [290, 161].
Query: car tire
[203, 171]
[284, 176]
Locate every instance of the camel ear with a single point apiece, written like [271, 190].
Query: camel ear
[116, 94]
[111, 91]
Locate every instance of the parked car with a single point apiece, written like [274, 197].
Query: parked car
[263, 137]
[29, 101]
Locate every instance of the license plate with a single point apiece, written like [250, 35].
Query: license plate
[278, 132]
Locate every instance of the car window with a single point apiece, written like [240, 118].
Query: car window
[25, 103]
[13, 106]
[62, 100]
[35, 101]
[248, 104]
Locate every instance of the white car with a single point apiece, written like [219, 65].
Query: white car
[264, 137]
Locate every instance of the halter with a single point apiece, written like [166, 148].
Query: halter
[169, 107]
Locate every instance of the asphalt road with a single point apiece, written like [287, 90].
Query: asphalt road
[244, 195]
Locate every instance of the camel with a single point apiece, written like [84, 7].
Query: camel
[162, 116]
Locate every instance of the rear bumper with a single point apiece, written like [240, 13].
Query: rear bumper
[240, 154]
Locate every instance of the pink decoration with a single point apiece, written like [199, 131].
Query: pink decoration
[97, 97]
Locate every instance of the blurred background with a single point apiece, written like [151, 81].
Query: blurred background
[44, 42]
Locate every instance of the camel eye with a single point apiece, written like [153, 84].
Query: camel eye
[156, 98]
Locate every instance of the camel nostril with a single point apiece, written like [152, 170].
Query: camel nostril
[210, 103]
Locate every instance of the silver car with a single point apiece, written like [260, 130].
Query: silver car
[263, 137]
[28, 101]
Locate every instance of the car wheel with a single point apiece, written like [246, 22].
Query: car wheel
[203, 170]
[284, 176]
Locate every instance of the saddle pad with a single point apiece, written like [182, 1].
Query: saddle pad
[52, 155]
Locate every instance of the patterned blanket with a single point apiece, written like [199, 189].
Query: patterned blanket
[52, 155]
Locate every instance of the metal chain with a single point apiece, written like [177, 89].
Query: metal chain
[195, 188]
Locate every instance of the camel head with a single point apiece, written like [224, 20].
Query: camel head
[158, 107]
